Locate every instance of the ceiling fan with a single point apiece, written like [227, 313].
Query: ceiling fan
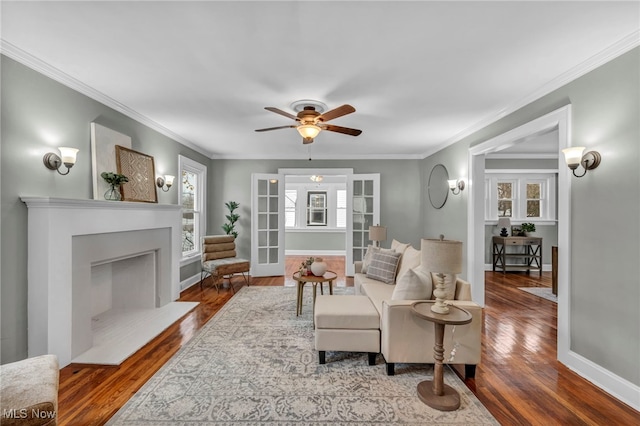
[312, 119]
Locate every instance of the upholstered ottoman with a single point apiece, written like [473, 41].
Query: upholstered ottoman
[29, 392]
[346, 323]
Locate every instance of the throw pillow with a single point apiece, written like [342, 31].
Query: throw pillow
[415, 284]
[410, 259]
[449, 284]
[398, 246]
[383, 266]
[369, 255]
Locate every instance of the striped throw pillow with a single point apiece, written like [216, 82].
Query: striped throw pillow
[383, 266]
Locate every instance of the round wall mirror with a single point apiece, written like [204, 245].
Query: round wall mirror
[438, 186]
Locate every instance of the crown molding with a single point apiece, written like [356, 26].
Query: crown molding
[54, 73]
[617, 49]
[294, 156]
[522, 156]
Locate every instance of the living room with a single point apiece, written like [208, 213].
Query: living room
[597, 330]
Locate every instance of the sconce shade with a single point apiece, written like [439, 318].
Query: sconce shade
[573, 156]
[452, 184]
[165, 181]
[377, 233]
[68, 155]
[441, 256]
[308, 131]
[169, 179]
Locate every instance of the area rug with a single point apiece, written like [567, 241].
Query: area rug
[544, 292]
[254, 363]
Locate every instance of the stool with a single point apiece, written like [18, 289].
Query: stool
[346, 323]
[29, 390]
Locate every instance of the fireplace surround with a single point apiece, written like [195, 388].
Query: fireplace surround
[69, 243]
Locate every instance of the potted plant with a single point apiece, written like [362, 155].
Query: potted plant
[230, 227]
[529, 229]
[114, 180]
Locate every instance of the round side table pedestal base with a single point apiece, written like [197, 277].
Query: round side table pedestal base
[449, 401]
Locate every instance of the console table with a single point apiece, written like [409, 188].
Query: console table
[531, 253]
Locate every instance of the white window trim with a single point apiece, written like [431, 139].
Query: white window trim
[185, 163]
[547, 177]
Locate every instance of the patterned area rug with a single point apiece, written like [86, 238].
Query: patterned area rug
[544, 292]
[254, 363]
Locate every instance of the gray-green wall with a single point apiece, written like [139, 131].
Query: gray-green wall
[605, 209]
[310, 241]
[39, 114]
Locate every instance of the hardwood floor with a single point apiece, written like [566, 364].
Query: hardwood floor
[519, 380]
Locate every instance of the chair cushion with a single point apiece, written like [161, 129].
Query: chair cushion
[229, 265]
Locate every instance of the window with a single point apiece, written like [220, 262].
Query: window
[317, 208]
[341, 208]
[520, 196]
[192, 193]
[290, 198]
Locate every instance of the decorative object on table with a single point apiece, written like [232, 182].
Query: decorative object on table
[441, 257]
[377, 233]
[230, 227]
[438, 188]
[318, 267]
[140, 170]
[529, 229]
[516, 231]
[103, 155]
[67, 157]
[504, 225]
[114, 180]
[305, 267]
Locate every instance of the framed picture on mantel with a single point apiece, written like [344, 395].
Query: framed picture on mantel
[140, 170]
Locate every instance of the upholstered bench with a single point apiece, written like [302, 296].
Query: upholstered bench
[29, 392]
[346, 323]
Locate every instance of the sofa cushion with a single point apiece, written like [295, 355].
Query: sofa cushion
[383, 266]
[414, 284]
[410, 259]
[398, 246]
[377, 292]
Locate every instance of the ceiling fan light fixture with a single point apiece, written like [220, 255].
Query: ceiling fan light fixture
[308, 131]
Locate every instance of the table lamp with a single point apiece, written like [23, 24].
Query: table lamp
[377, 233]
[504, 223]
[442, 257]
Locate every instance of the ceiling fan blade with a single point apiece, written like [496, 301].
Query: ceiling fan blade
[337, 112]
[281, 112]
[345, 130]
[275, 128]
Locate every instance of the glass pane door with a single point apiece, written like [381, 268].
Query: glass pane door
[364, 195]
[267, 246]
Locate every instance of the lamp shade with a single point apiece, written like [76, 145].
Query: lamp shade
[308, 131]
[504, 222]
[573, 155]
[441, 256]
[377, 233]
[68, 155]
[169, 179]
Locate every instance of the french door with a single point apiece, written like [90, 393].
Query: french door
[267, 225]
[363, 210]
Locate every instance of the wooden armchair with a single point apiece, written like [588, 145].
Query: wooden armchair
[219, 260]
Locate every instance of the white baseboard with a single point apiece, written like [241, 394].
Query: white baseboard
[609, 382]
[195, 279]
[315, 252]
[545, 267]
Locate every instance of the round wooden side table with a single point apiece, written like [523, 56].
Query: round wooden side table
[435, 393]
[328, 276]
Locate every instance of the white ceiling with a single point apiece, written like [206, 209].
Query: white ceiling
[420, 74]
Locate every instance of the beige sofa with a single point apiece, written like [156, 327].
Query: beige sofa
[405, 338]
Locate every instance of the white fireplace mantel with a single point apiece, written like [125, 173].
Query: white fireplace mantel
[52, 224]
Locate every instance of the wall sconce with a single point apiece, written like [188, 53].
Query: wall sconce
[574, 157]
[54, 162]
[456, 185]
[161, 181]
[316, 178]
